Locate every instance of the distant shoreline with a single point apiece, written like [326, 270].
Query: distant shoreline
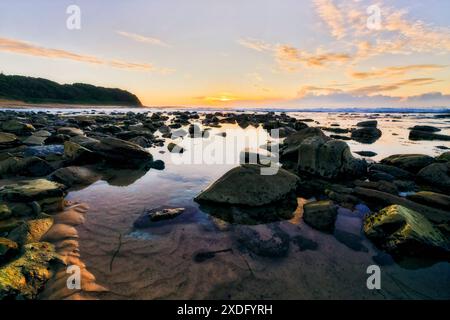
[15, 104]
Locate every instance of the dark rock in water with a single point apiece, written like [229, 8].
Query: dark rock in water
[366, 135]
[442, 147]
[320, 215]
[426, 135]
[336, 130]
[263, 240]
[122, 153]
[402, 231]
[437, 175]
[366, 153]
[351, 240]
[432, 199]
[174, 148]
[8, 140]
[202, 256]
[43, 151]
[304, 244]
[17, 127]
[254, 188]
[26, 276]
[368, 124]
[74, 176]
[425, 128]
[157, 214]
[56, 139]
[329, 159]
[409, 162]
[158, 165]
[405, 185]
[391, 170]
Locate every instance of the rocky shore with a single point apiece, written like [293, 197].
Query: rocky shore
[43, 156]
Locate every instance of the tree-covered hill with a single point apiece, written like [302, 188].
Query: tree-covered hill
[39, 90]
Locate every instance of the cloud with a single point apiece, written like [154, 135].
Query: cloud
[143, 39]
[288, 57]
[26, 48]
[394, 71]
[255, 44]
[372, 90]
[332, 16]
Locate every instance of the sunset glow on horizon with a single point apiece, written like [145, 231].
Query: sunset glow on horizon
[255, 53]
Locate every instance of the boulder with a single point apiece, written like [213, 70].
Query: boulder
[49, 195]
[28, 167]
[426, 135]
[391, 170]
[292, 143]
[122, 153]
[368, 124]
[141, 141]
[70, 131]
[409, 162]
[34, 140]
[74, 176]
[366, 135]
[402, 231]
[366, 153]
[432, 199]
[26, 276]
[436, 175]
[245, 185]
[17, 127]
[8, 140]
[174, 148]
[320, 215]
[76, 154]
[156, 214]
[426, 128]
[5, 211]
[329, 159]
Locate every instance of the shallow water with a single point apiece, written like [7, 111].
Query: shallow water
[158, 263]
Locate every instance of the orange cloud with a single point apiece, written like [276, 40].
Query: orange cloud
[143, 39]
[26, 48]
[395, 71]
[332, 16]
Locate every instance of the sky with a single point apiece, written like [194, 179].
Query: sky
[238, 53]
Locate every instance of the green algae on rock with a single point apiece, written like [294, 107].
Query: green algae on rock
[402, 231]
[26, 276]
[49, 195]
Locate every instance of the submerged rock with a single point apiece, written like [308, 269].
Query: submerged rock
[245, 185]
[402, 231]
[26, 276]
[263, 240]
[157, 214]
[320, 215]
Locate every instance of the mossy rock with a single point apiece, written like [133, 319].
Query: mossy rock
[7, 248]
[48, 194]
[32, 230]
[402, 231]
[5, 211]
[26, 276]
